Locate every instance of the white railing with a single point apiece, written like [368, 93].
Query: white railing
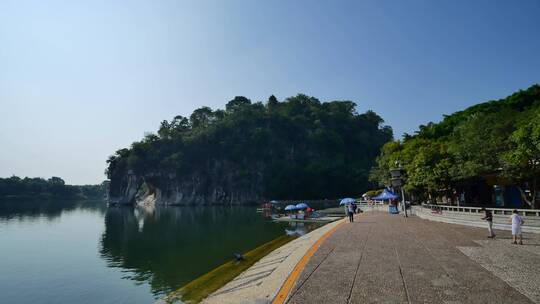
[472, 216]
[495, 211]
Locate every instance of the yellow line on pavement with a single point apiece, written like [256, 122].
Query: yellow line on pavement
[287, 286]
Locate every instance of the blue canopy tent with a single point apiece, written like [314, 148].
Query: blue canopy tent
[302, 206]
[385, 195]
[290, 207]
[347, 201]
[388, 195]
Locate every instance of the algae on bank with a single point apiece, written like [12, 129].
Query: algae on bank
[203, 286]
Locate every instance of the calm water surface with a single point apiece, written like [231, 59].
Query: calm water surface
[84, 252]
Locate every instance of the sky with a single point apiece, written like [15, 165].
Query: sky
[82, 79]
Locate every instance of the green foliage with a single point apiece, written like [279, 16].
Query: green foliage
[522, 162]
[54, 187]
[478, 143]
[483, 139]
[525, 156]
[390, 153]
[298, 148]
[519, 101]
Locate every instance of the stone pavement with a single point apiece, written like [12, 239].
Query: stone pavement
[382, 258]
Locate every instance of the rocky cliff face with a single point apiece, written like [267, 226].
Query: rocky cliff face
[124, 187]
[220, 187]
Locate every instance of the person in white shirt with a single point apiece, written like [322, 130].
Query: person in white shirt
[516, 221]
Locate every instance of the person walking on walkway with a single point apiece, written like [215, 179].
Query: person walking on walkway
[516, 221]
[350, 212]
[489, 219]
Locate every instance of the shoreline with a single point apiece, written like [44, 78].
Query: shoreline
[266, 270]
[206, 284]
[262, 282]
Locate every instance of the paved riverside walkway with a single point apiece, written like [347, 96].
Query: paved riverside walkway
[382, 258]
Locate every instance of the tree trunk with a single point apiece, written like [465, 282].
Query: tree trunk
[524, 198]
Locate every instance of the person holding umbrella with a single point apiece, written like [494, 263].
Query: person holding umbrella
[350, 212]
[301, 206]
[349, 209]
[291, 208]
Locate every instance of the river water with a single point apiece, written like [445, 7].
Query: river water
[85, 252]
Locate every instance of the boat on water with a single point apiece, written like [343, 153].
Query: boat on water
[267, 206]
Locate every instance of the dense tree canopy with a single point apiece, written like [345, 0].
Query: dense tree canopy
[298, 148]
[499, 137]
[54, 187]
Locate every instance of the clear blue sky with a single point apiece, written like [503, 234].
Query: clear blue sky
[79, 80]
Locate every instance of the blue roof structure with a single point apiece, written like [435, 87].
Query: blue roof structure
[385, 195]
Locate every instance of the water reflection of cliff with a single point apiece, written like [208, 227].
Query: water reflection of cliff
[173, 245]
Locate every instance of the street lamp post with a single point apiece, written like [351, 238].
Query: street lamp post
[397, 181]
